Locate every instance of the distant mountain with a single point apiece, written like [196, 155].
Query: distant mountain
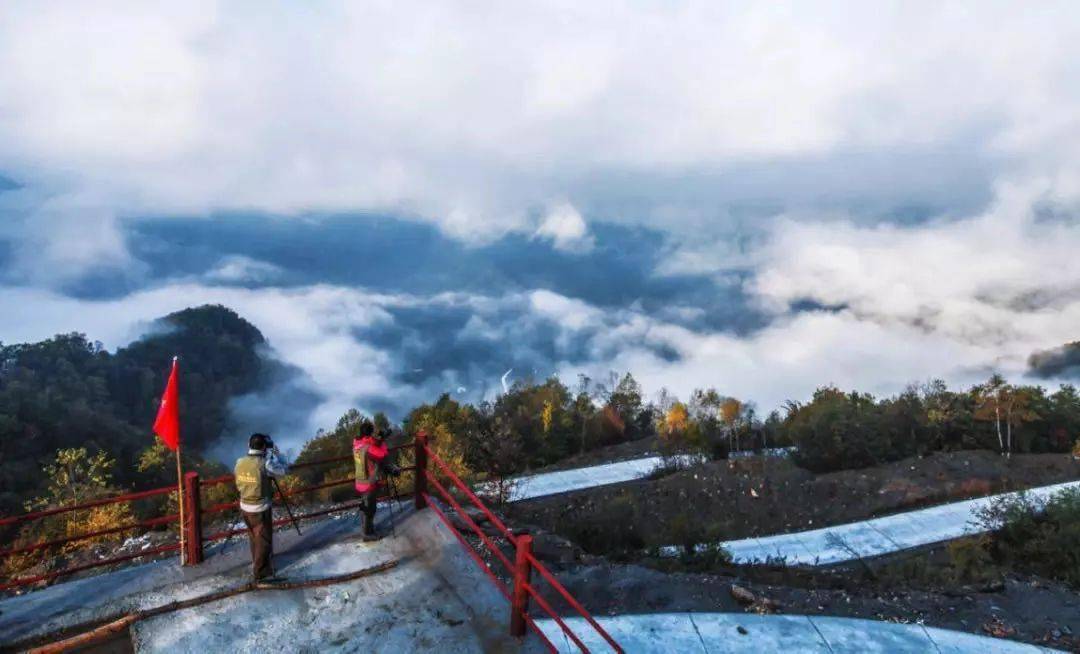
[69, 392]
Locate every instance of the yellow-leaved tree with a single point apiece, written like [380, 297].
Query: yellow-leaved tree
[73, 477]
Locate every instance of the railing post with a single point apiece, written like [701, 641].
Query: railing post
[193, 544]
[421, 458]
[519, 600]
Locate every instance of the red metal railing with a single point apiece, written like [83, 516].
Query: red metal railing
[90, 535]
[520, 570]
[196, 540]
[192, 529]
[129, 497]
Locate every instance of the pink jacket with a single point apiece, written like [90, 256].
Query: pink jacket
[368, 455]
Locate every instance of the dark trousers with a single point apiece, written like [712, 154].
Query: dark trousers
[261, 537]
[367, 509]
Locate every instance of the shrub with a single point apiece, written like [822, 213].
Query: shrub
[610, 530]
[1043, 539]
[99, 518]
[218, 494]
[669, 465]
[837, 430]
[970, 558]
[686, 532]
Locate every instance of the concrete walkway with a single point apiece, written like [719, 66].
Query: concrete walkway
[748, 633]
[436, 599]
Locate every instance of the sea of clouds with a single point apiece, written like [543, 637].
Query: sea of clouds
[756, 198]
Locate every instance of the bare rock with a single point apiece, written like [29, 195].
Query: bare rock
[742, 595]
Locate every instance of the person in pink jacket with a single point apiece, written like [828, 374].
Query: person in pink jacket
[371, 469]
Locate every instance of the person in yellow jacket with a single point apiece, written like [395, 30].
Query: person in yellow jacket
[253, 472]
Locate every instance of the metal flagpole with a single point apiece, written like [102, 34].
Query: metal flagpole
[180, 486]
[180, 500]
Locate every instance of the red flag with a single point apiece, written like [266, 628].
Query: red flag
[167, 424]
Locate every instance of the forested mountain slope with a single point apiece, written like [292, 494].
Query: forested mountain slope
[70, 392]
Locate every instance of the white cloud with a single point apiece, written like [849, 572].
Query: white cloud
[239, 269]
[874, 345]
[1004, 280]
[472, 119]
[678, 116]
[566, 229]
[567, 312]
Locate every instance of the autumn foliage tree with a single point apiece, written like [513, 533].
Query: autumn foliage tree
[74, 477]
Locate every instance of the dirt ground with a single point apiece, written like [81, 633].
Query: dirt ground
[726, 500]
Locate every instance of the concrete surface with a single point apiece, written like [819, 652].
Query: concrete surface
[435, 600]
[91, 598]
[870, 538]
[564, 481]
[438, 599]
[716, 633]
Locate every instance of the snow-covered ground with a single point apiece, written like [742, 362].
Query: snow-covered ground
[869, 538]
[748, 633]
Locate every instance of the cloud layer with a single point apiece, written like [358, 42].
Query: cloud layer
[480, 120]
[412, 198]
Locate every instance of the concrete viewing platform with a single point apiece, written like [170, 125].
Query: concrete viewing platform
[434, 599]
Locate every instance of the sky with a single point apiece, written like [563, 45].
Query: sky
[413, 198]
